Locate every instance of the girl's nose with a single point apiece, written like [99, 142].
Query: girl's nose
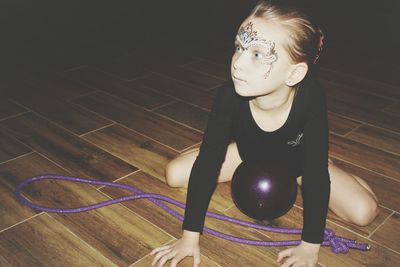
[238, 61]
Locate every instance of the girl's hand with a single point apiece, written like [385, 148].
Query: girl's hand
[305, 254]
[180, 249]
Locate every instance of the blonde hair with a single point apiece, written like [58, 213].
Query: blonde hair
[305, 40]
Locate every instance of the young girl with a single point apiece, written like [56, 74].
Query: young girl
[273, 110]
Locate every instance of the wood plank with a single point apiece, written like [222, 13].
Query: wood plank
[173, 226]
[13, 172]
[43, 241]
[178, 89]
[387, 190]
[225, 252]
[376, 118]
[163, 130]
[220, 55]
[91, 51]
[171, 53]
[130, 67]
[354, 98]
[11, 148]
[187, 114]
[65, 114]
[72, 153]
[126, 69]
[147, 209]
[377, 138]
[371, 86]
[378, 256]
[201, 81]
[142, 152]
[214, 69]
[93, 78]
[340, 125]
[186, 262]
[73, 53]
[220, 250]
[120, 235]
[134, 93]
[365, 231]
[220, 200]
[388, 234]
[366, 156]
[361, 106]
[393, 109]
[54, 85]
[138, 63]
[8, 108]
[11, 211]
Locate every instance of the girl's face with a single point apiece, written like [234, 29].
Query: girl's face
[260, 65]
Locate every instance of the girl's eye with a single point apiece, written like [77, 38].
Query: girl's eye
[237, 48]
[258, 55]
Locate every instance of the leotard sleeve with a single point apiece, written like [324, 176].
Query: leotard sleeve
[206, 168]
[315, 179]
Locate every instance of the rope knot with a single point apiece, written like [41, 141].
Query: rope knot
[337, 245]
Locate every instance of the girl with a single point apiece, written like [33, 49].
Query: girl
[273, 110]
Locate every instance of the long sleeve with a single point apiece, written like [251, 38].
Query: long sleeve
[315, 180]
[206, 168]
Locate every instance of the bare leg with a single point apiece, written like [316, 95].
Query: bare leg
[351, 198]
[178, 170]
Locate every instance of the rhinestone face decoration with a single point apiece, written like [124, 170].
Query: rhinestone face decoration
[248, 38]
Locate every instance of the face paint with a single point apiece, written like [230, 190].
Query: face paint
[248, 38]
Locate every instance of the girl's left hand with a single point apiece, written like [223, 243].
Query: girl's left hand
[305, 254]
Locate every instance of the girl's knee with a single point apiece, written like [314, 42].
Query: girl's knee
[175, 173]
[366, 213]
[171, 173]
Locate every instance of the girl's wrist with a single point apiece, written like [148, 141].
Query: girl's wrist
[310, 246]
[189, 235]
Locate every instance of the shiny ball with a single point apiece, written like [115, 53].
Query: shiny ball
[263, 190]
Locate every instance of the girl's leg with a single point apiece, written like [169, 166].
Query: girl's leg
[178, 170]
[351, 198]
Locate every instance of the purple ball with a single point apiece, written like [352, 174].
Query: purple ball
[263, 190]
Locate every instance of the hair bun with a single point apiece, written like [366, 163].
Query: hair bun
[320, 45]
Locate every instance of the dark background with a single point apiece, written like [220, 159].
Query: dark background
[66, 33]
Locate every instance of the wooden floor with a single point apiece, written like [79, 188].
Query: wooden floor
[123, 117]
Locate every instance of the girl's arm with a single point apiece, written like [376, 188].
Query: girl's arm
[206, 168]
[315, 180]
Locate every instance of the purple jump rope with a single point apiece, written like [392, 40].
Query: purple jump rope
[337, 244]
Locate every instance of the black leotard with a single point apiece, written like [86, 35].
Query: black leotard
[301, 144]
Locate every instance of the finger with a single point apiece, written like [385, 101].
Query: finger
[159, 249]
[159, 255]
[299, 264]
[289, 262]
[177, 259]
[166, 257]
[196, 259]
[283, 254]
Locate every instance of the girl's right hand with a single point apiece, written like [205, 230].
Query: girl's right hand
[179, 250]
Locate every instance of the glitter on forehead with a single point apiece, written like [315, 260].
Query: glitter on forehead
[247, 35]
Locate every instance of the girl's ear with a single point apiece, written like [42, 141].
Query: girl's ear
[296, 74]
